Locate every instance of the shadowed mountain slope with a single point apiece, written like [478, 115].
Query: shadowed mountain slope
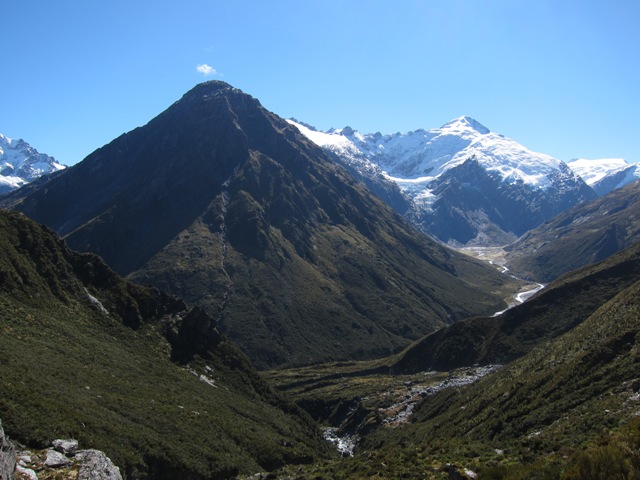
[558, 308]
[546, 405]
[86, 355]
[227, 205]
[564, 404]
[584, 234]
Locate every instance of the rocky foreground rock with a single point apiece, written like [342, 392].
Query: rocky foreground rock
[7, 456]
[62, 459]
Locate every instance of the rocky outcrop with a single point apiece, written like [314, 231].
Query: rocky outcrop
[95, 465]
[7, 456]
[65, 461]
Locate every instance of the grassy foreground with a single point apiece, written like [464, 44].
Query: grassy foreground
[130, 371]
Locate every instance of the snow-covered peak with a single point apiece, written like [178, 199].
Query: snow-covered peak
[20, 163]
[334, 140]
[464, 123]
[422, 155]
[516, 188]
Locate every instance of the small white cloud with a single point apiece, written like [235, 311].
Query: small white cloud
[206, 70]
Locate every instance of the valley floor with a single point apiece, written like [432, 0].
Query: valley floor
[351, 399]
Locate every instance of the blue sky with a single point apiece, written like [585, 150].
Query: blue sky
[560, 76]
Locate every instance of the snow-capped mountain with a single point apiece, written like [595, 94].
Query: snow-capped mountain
[605, 174]
[20, 164]
[468, 184]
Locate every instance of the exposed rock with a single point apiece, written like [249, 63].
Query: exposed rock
[95, 465]
[7, 456]
[56, 459]
[68, 447]
[78, 464]
[25, 473]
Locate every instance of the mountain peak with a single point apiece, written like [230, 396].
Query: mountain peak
[211, 86]
[465, 122]
[209, 89]
[20, 164]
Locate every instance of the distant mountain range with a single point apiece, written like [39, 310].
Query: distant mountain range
[226, 204]
[460, 183]
[606, 174]
[20, 164]
[468, 185]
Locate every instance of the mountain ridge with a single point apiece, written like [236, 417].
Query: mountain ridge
[605, 174]
[556, 309]
[227, 205]
[417, 161]
[584, 234]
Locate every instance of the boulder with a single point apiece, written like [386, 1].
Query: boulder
[68, 447]
[26, 473]
[56, 459]
[95, 465]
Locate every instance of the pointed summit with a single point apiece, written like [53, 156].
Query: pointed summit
[210, 88]
[228, 205]
[464, 123]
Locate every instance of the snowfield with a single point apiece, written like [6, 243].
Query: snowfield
[416, 158]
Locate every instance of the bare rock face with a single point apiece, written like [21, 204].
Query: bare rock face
[63, 460]
[7, 456]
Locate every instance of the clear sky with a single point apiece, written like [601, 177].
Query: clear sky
[561, 77]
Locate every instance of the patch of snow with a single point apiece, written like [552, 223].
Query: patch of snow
[207, 380]
[96, 302]
[470, 473]
[592, 171]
